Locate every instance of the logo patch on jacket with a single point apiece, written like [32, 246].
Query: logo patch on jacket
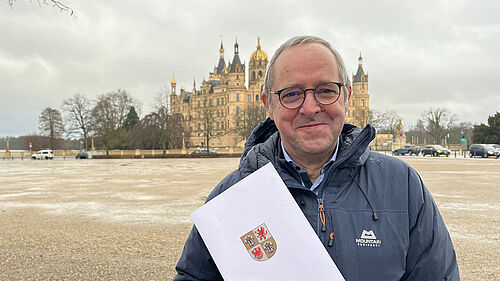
[259, 243]
[368, 239]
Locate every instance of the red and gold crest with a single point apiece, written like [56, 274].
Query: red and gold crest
[259, 243]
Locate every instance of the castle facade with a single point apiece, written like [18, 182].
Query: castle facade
[213, 108]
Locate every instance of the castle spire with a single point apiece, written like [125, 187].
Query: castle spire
[173, 83]
[221, 50]
[236, 51]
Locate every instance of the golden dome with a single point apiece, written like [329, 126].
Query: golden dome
[258, 54]
[173, 80]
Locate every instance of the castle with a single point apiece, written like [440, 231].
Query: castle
[221, 98]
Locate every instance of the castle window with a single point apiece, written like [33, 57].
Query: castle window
[249, 97]
[237, 110]
[222, 101]
[218, 101]
[257, 98]
[210, 102]
[237, 77]
[260, 73]
[363, 102]
[237, 97]
[253, 75]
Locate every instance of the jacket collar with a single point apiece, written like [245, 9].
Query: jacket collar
[263, 146]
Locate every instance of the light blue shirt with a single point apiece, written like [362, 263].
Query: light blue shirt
[302, 170]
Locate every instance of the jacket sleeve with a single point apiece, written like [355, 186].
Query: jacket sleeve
[430, 254]
[195, 262]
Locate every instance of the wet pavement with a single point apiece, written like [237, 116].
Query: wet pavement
[128, 219]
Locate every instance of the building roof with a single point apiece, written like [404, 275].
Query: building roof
[236, 66]
[214, 83]
[360, 72]
[258, 54]
[220, 66]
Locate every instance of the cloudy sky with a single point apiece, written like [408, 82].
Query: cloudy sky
[417, 53]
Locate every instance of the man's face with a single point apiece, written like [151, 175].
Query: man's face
[312, 129]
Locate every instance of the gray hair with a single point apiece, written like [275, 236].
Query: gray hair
[306, 39]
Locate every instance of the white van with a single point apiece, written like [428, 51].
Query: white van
[43, 154]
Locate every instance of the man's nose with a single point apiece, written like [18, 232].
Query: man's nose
[310, 105]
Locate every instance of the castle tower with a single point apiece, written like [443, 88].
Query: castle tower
[173, 83]
[236, 70]
[257, 67]
[221, 66]
[236, 65]
[359, 104]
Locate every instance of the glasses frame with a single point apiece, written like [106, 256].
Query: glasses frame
[339, 84]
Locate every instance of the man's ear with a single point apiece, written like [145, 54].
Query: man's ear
[348, 98]
[265, 100]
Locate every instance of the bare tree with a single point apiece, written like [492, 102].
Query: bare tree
[248, 119]
[362, 117]
[147, 133]
[51, 125]
[385, 122]
[77, 111]
[57, 4]
[438, 122]
[180, 134]
[162, 110]
[207, 119]
[108, 117]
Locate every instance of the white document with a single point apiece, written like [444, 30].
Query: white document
[255, 231]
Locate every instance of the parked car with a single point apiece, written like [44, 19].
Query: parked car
[203, 151]
[43, 155]
[407, 149]
[484, 150]
[435, 150]
[82, 155]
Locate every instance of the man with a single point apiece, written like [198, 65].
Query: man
[372, 212]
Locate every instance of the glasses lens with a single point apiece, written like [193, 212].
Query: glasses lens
[292, 97]
[327, 93]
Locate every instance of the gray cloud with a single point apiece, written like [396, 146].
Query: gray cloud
[422, 54]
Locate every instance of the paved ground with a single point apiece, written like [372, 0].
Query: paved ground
[128, 219]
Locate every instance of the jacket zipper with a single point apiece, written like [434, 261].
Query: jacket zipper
[322, 217]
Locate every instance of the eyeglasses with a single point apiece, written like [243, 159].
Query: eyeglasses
[325, 94]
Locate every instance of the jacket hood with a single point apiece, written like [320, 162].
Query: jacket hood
[263, 145]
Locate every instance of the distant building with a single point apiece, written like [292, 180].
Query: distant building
[359, 105]
[226, 95]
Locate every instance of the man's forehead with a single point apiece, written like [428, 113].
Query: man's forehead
[311, 59]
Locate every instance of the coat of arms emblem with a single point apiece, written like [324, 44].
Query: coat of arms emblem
[259, 243]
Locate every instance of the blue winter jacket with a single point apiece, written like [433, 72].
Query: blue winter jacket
[381, 222]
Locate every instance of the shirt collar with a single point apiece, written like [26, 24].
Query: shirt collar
[290, 160]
